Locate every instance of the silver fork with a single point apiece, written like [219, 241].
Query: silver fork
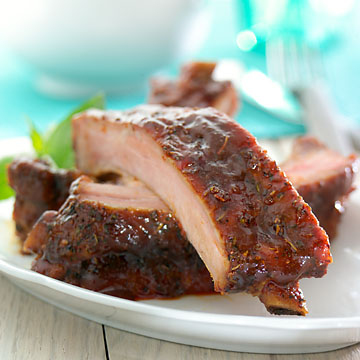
[298, 67]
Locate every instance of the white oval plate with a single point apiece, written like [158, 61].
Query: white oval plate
[233, 322]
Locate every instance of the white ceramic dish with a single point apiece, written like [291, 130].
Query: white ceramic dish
[236, 322]
[82, 46]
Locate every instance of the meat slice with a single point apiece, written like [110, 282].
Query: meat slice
[38, 188]
[119, 240]
[248, 224]
[195, 87]
[323, 178]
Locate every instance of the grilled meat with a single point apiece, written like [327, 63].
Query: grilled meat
[323, 178]
[38, 188]
[248, 224]
[195, 87]
[119, 240]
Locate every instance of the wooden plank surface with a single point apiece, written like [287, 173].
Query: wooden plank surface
[124, 345]
[33, 330]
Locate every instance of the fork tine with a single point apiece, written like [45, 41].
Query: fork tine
[292, 62]
[275, 61]
[299, 67]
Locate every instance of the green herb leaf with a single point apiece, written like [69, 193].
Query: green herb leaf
[5, 189]
[58, 142]
[36, 138]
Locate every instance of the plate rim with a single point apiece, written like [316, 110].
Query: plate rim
[288, 323]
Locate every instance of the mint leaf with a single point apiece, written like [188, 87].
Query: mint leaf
[58, 142]
[36, 138]
[56, 145]
[5, 189]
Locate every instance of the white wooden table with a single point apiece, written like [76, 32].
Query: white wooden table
[31, 329]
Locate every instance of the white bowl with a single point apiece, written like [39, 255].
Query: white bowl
[79, 46]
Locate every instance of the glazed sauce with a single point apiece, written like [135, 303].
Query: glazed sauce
[133, 254]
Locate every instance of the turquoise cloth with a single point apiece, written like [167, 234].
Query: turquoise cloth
[18, 96]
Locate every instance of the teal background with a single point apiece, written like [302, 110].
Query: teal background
[19, 97]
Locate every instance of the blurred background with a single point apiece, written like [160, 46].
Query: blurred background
[53, 54]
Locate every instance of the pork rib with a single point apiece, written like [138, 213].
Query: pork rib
[249, 225]
[323, 178]
[195, 87]
[119, 240]
[38, 188]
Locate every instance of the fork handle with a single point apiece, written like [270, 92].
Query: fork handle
[321, 118]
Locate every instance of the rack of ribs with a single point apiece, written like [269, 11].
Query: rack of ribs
[195, 87]
[119, 240]
[244, 218]
[51, 257]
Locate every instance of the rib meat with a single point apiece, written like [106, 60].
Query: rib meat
[38, 188]
[323, 178]
[195, 87]
[119, 240]
[246, 221]
[324, 188]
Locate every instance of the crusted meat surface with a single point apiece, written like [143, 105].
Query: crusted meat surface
[248, 224]
[195, 87]
[323, 178]
[38, 188]
[108, 246]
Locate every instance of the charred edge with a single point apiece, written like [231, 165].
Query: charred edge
[282, 311]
